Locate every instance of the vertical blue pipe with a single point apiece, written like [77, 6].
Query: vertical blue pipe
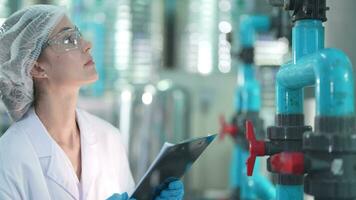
[289, 192]
[247, 183]
[248, 89]
[247, 83]
[235, 168]
[238, 100]
[248, 99]
[334, 84]
[308, 37]
[256, 186]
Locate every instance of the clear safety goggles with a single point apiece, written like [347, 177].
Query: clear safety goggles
[65, 41]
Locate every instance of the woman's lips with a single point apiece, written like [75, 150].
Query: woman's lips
[90, 62]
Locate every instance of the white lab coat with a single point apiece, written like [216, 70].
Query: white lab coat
[33, 166]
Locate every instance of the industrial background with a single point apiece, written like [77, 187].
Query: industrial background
[172, 69]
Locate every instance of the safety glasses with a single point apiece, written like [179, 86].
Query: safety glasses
[66, 40]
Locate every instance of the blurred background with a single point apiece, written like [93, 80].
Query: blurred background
[167, 72]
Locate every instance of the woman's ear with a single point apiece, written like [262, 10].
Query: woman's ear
[38, 71]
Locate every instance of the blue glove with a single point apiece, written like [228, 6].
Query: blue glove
[123, 196]
[174, 191]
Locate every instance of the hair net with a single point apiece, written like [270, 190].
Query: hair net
[21, 39]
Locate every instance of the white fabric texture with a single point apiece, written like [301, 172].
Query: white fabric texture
[21, 39]
[33, 166]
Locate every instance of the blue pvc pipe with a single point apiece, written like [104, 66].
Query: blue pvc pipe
[248, 95]
[248, 99]
[289, 192]
[264, 188]
[235, 168]
[256, 186]
[331, 71]
[249, 25]
[308, 37]
[248, 183]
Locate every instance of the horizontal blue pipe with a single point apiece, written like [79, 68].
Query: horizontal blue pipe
[289, 192]
[249, 25]
[331, 71]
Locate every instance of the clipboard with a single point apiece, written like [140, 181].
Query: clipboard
[172, 162]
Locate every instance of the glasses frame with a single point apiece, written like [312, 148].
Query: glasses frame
[55, 40]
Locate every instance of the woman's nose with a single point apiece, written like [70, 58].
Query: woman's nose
[86, 45]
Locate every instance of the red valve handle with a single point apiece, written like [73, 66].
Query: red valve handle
[256, 148]
[227, 128]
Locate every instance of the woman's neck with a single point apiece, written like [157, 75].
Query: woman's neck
[57, 112]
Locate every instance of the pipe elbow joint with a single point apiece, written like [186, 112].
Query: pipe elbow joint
[249, 25]
[333, 64]
[334, 82]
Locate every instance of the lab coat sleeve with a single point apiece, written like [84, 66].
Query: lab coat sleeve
[130, 184]
[5, 196]
[9, 176]
[7, 187]
[112, 141]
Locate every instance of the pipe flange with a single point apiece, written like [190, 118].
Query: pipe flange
[289, 120]
[246, 55]
[330, 143]
[337, 188]
[340, 125]
[288, 179]
[303, 9]
[287, 132]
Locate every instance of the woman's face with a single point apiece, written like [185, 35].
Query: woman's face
[64, 63]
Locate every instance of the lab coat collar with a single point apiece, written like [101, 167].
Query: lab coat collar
[90, 157]
[43, 141]
[86, 128]
[36, 131]
[46, 147]
[57, 166]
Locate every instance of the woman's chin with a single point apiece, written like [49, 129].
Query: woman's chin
[91, 79]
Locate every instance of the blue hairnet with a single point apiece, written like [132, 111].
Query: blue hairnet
[21, 39]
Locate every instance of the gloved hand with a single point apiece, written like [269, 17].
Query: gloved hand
[174, 191]
[123, 196]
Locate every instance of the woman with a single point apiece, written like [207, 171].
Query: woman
[55, 150]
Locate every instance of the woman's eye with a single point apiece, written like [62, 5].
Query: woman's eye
[70, 40]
